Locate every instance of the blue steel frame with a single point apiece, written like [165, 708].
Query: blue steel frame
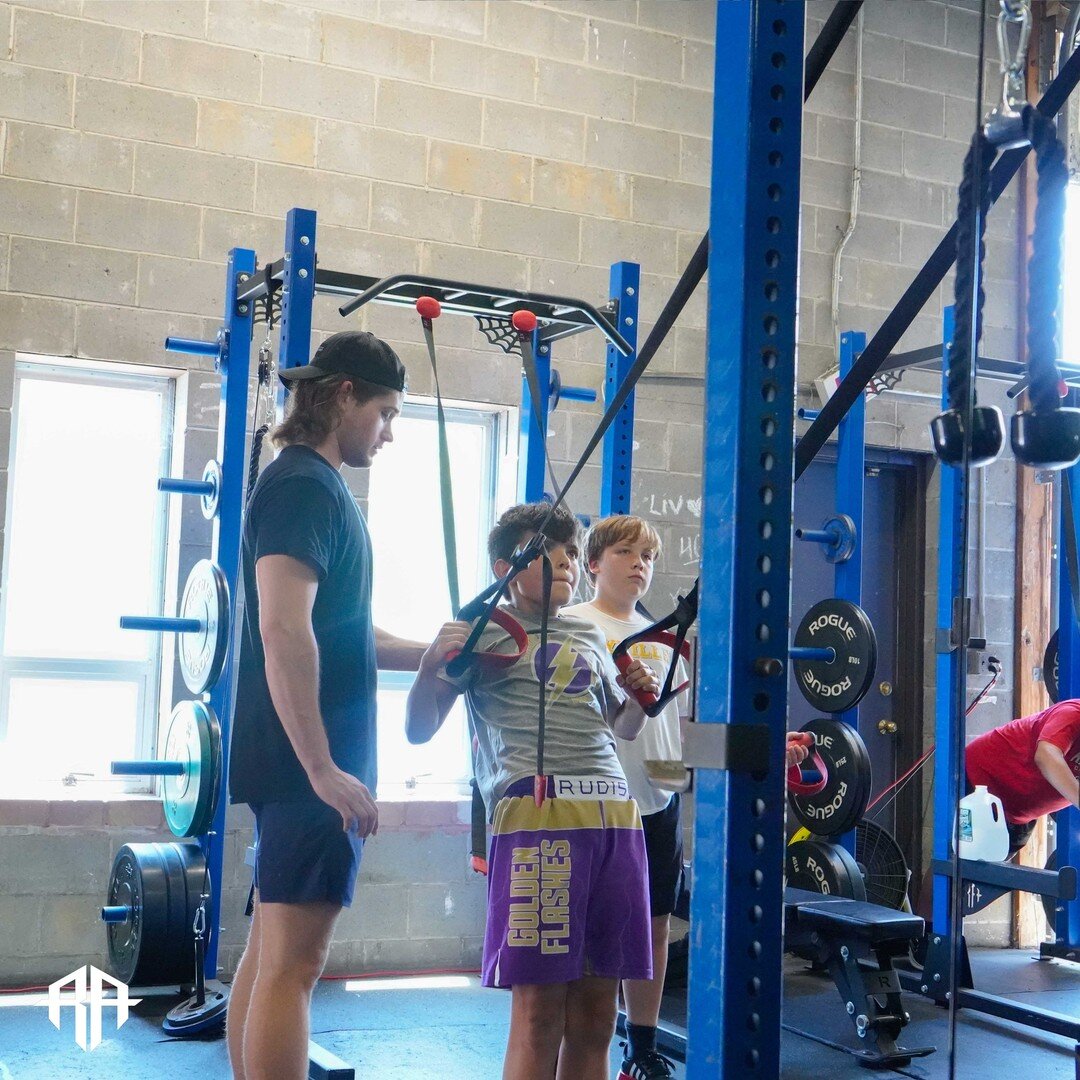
[735, 986]
[532, 453]
[234, 367]
[625, 287]
[1067, 923]
[950, 659]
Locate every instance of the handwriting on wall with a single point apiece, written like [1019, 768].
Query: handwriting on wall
[670, 506]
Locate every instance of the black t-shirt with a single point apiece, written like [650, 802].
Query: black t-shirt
[302, 508]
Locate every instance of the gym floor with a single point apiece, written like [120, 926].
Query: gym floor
[458, 1033]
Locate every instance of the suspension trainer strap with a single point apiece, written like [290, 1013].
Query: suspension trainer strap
[540, 781]
[682, 618]
[429, 309]
[524, 322]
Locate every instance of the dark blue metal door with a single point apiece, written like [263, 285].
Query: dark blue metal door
[812, 580]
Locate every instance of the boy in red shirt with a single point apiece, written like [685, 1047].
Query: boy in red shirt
[1032, 765]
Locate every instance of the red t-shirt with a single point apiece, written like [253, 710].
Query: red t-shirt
[1004, 761]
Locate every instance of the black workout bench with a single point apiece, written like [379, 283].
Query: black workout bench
[857, 943]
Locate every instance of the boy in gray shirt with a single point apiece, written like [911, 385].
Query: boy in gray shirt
[568, 906]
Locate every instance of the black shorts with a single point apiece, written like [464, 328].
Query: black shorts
[664, 848]
[303, 855]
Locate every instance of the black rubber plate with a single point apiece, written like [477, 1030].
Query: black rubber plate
[818, 866]
[838, 685]
[1050, 667]
[194, 739]
[839, 806]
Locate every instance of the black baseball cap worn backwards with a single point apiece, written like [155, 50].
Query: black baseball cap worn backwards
[356, 353]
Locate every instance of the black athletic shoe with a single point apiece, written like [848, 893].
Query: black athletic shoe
[651, 1065]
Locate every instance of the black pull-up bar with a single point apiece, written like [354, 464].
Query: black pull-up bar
[876, 354]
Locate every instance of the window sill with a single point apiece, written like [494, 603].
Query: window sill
[441, 806]
[128, 811]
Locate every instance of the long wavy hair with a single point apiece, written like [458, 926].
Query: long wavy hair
[313, 409]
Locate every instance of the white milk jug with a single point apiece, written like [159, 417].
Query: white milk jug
[983, 832]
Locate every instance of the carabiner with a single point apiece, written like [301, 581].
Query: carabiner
[1014, 92]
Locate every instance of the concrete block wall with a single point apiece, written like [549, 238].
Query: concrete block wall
[525, 143]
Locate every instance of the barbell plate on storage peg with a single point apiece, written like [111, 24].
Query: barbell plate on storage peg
[154, 946]
[840, 684]
[211, 475]
[194, 740]
[1050, 668]
[818, 866]
[202, 652]
[840, 804]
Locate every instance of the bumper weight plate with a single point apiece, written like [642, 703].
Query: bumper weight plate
[818, 866]
[841, 803]
[836, 685]
[194, 739]
[1050, 668]
[202, 652]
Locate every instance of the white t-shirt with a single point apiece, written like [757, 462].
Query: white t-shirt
[660, 739]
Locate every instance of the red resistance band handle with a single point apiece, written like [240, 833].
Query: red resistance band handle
[796, 785]
[649, 701]
[493, 661]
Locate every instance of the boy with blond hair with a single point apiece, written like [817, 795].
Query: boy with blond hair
[568, 907]
[620, 554]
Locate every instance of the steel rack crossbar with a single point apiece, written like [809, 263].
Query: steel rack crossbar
[560, 316]
[928, 358]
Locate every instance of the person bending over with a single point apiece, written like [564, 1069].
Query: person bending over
[303, 744]
[1031, 765]
[568, 903]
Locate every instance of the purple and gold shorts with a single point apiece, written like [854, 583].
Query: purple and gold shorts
[568, 891]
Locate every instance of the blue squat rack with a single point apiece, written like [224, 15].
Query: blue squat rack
[289, 286]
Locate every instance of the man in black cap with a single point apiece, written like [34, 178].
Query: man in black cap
[304, 745]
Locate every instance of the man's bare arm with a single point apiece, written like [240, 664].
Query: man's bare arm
[1051, 762]
[287, 590]
[397, 654]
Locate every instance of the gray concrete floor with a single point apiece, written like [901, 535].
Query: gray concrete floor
[459, 1034]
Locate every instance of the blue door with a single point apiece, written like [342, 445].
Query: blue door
[887, 560]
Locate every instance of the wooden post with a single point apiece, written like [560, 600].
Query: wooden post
[1034, 562]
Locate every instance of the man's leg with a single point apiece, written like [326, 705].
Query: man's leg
[589, 1025]
[240, 996]
[537, 1017]
[642, 996]
[293, 943]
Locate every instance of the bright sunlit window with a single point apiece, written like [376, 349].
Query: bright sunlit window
[1070, 331]
[410, 597]
[84, 543]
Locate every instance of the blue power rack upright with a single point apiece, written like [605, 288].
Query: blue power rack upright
[735, 986]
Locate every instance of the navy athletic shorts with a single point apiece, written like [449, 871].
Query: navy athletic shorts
[303, 855]
[664, 847]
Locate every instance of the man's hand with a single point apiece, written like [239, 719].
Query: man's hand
[796, 752]
[638, 677]
[450, 638]
[349, 798]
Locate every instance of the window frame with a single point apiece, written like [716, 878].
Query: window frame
[500, 470]
[148, 675]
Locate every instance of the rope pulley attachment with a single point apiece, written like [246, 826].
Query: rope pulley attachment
[682, 618]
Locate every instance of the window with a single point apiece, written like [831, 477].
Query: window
[84, 544]
[1070, 336]
[410, 595]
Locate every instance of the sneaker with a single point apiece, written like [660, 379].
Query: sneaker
[651, 1065]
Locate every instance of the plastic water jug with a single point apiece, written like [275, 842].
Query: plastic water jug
[983, 832]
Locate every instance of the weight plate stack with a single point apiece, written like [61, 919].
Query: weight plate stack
[839, 684]
[841, 802]
[160, 886]
[818, 866]
[202, 652]
[194, 740]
